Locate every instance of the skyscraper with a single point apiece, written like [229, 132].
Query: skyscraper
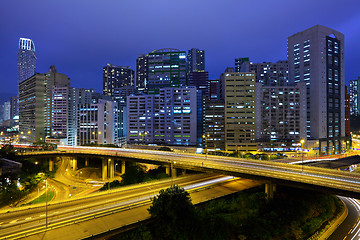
[195, 60]
[316, 57]
[239, 111]
[142, 72]
[242, 64]
[169, 117]
[167, 68]
[354, 97]
[200, 80]
[41, 104]
[116, 77]
[14, 107]
[267, 73]
[26, 59]
[280, 115]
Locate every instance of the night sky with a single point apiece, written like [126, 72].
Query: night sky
[80, 37]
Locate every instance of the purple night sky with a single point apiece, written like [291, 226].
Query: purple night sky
[80, 37]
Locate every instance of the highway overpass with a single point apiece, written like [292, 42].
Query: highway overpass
[315, 178]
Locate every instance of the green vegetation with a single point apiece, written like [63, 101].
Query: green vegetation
[14, 186]
[260, 156]
[101, 145]
[136, 174]
[166, 149]
[7, 152]
[42, 198]
[44, 146]
[292, 214]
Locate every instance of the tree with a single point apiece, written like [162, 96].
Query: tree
[174, 215]
[8, 152]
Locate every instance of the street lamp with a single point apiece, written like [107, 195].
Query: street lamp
[206, 146]
[302, 154]
[109, 172]
[143, 135]
[46, 211]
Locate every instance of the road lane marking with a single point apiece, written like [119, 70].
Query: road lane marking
[14, 221]
[28, 218]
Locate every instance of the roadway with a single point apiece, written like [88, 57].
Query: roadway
[113, 204]
[332, 181]
[349, 229]
[338, 182]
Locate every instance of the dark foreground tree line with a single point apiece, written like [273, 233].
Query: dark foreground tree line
[292, 214]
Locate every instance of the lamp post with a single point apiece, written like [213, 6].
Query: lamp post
[206, 147]
[109, 172]
[143, 135]
[302, 155]
[46, 199]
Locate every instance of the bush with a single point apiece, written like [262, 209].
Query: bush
[166, 149]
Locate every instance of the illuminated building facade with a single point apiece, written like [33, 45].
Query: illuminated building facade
[239, 111]
[116, 77]
[167, 68]
[354, 97]
[26, 59]
[280, 115]
[142, 69]
[97, 123]
[316, 57]
[195, 60]
[169, 117]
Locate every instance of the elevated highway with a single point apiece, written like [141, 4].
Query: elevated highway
[315, 178]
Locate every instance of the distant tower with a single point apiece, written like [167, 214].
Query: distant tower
[196, 60]
[26, 59]
[116, 77]
[142, 72]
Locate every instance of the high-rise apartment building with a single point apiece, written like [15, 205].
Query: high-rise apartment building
[38, 105]
[14, 107]
[213, 125]
[200, 80]
[316, 57]
[120, 97]
[195, 60]
[26, 59]
[142, 69]
[215, 89]
[267, 73]
[239, 111]
[5, 111]
[167, 68]
[32, 102]
[242, 65]
[347, 114]
[116, 77]
[97, 123]
[355, 97]
[169, 117]
[280, 116]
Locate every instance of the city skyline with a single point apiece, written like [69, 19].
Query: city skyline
[79, 44]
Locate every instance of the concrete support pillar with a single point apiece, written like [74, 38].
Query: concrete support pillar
[183, 172]
[122, 167]
[74, 164]
[173, 171]
[269, 190]
[111, 163]
[168, 170]
[86, 161]
[104, 169]
[51, 164]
